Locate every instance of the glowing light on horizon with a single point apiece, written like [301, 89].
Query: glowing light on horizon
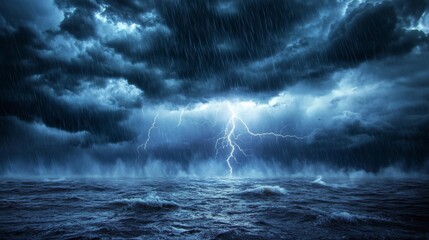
[235, 128]
[229, 139]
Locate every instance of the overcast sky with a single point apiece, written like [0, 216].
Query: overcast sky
[83, 80]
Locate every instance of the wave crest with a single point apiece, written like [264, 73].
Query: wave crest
[265, 191]
[150, 202]
[320, 181]
[346, 217]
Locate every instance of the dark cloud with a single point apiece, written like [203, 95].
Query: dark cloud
[369, 32]
[43, 15]
[105, 125]
[216, 39]
[80, 24]
[128, 10]
[89, 5]
[363, 34]
[223, 35]
[24, 73]
[410, 11]
[81, 71]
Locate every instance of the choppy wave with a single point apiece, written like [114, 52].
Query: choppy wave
[265, 191]
[213, 209]
[335, 217]
[319, 181]
[346, 217]
[150, 202]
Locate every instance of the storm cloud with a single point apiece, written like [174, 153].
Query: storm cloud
[82, 81]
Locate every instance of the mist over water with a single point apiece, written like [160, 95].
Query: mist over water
[207, 169]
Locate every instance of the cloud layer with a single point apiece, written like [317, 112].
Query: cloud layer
[83, 80]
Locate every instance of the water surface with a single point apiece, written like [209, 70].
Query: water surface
[286, 208]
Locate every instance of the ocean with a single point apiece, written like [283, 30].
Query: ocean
[215, 208]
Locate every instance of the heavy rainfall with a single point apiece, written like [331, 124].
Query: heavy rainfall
[214, 119]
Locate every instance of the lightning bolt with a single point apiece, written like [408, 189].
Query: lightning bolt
[181, 115]
[230, 139]
[144, 145]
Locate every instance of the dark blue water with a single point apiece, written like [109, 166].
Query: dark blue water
[214, 209]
